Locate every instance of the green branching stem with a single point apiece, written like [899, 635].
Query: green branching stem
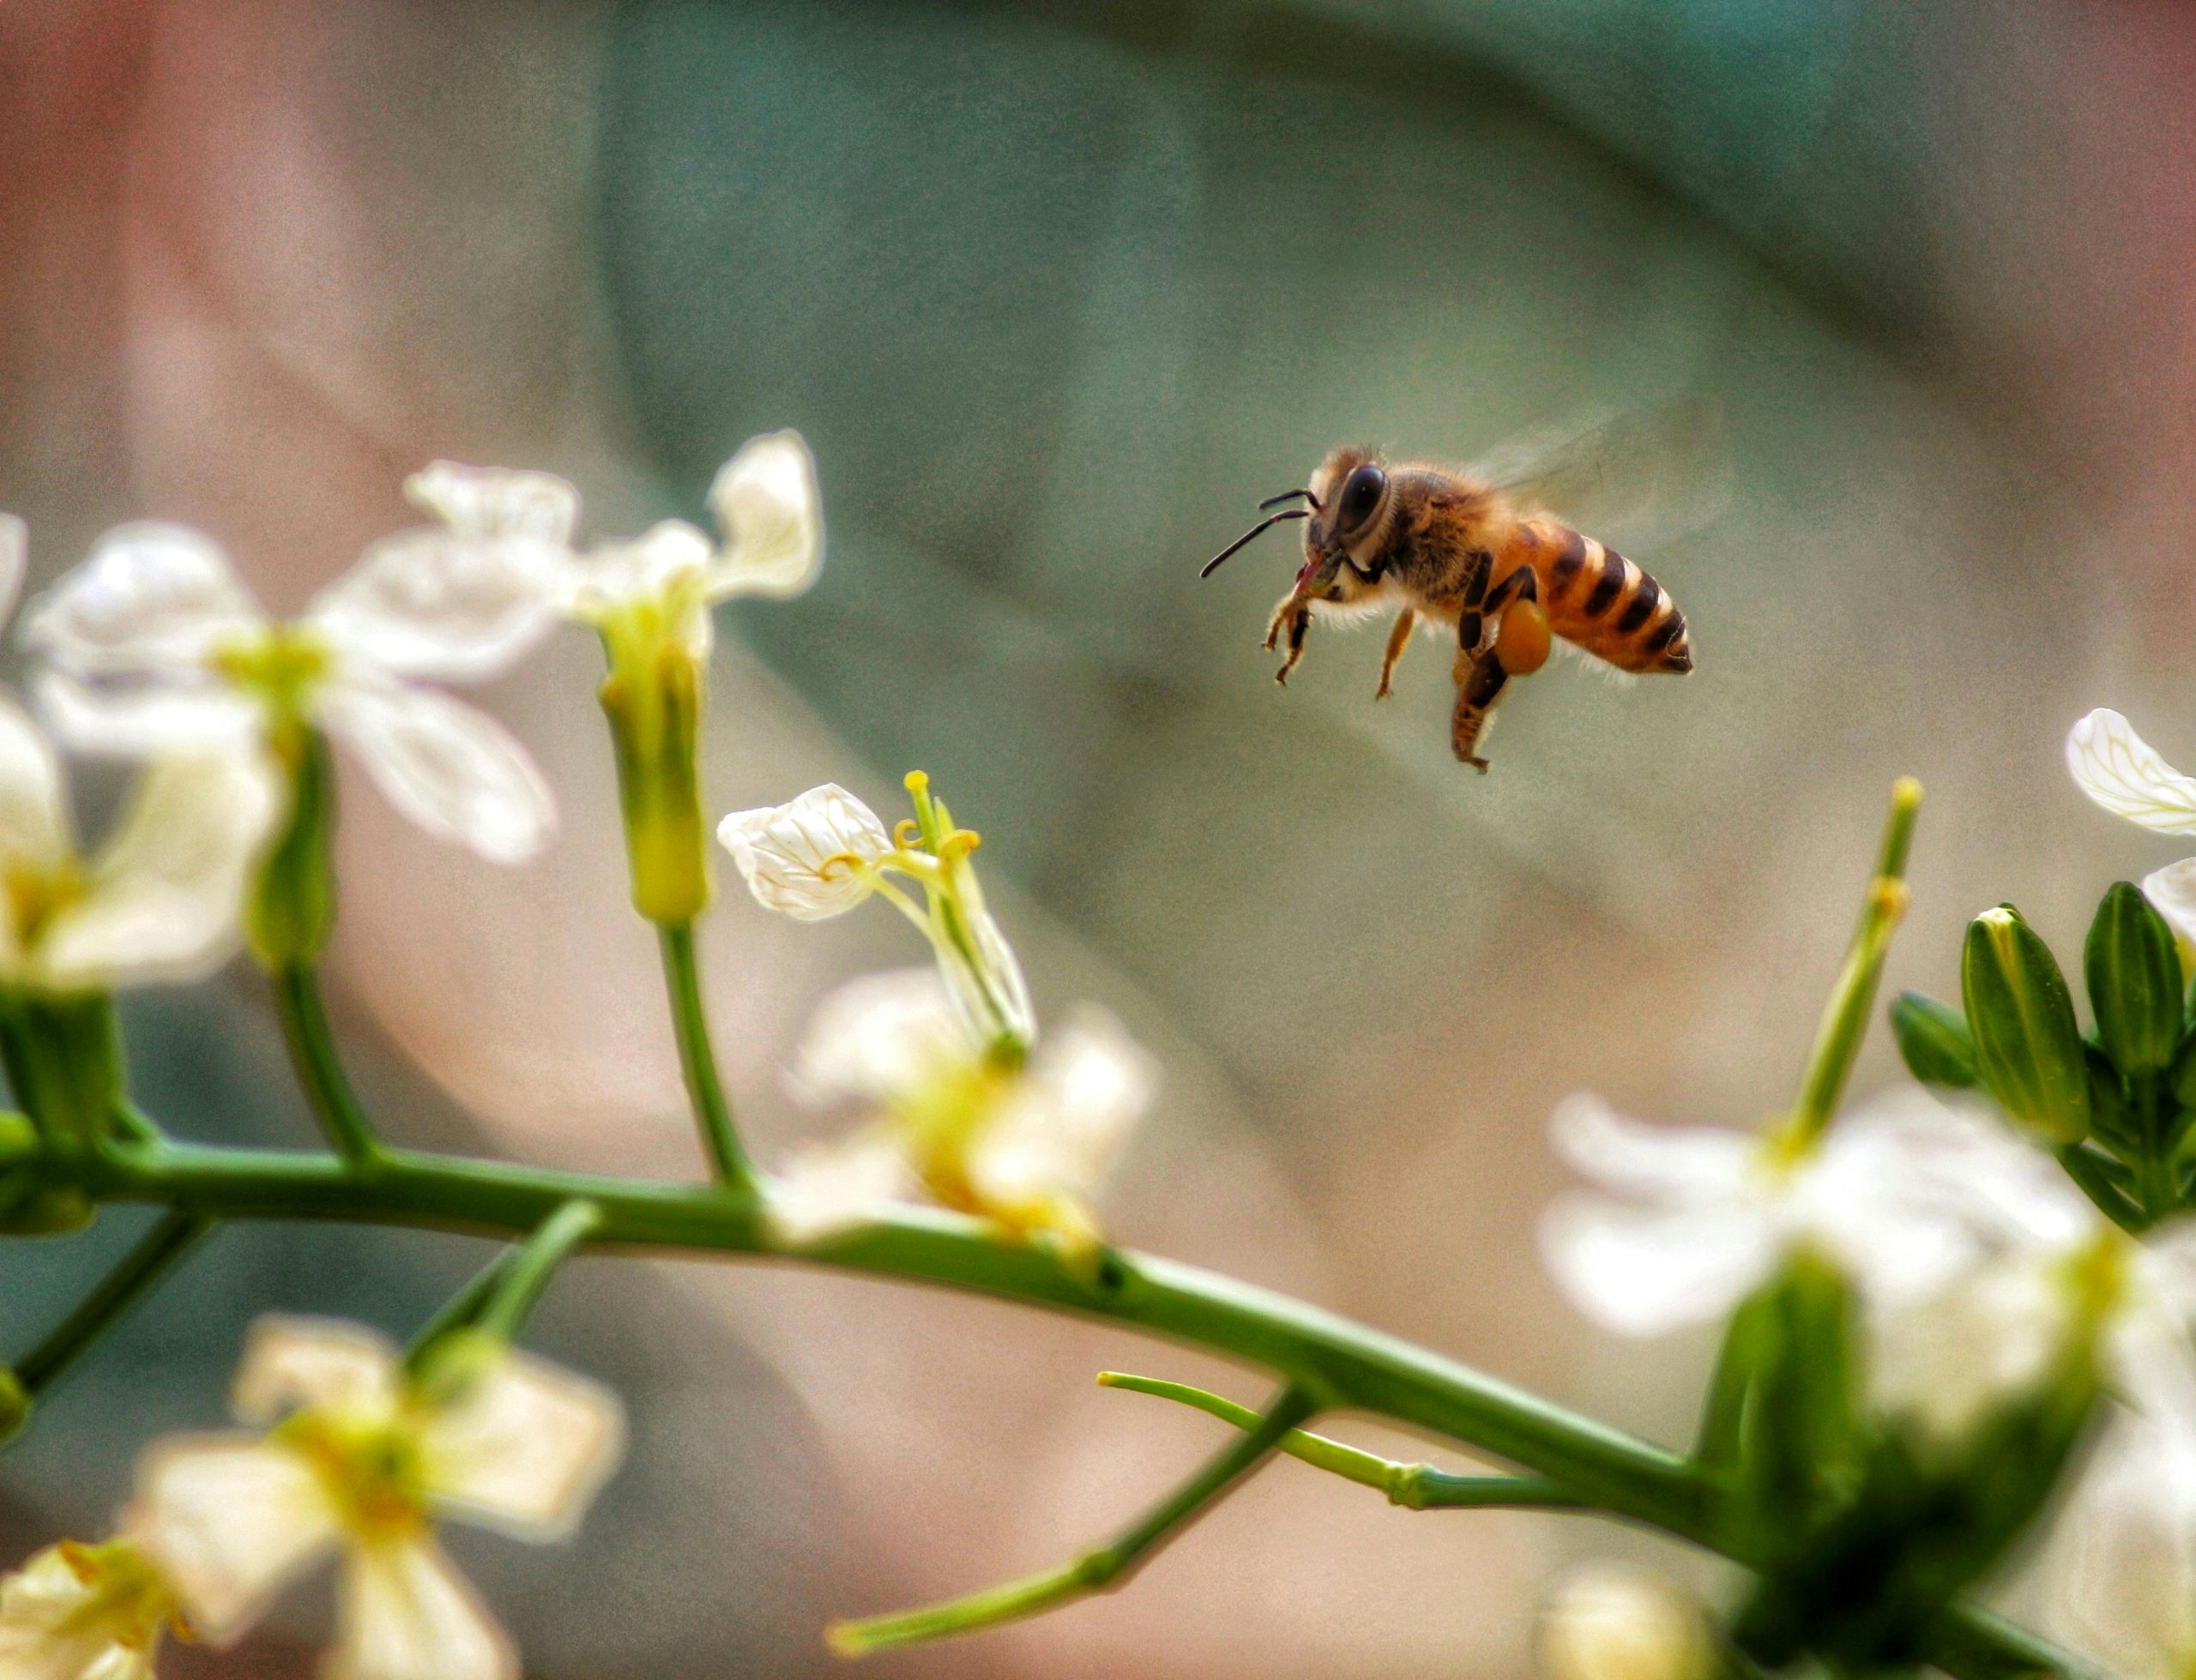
[319, 1065]
[154, 1256]
[1096, 1571]
[1417, 1487]
[1338, 1364]
[506, 1308]
[697, 1060]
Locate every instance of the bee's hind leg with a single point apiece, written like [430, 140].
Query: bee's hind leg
[1480, 677]
[1293, 618]
[1398, 638]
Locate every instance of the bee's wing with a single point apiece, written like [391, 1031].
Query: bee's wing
[1630, 477]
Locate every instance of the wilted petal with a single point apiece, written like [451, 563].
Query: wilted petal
[827, 1187]
[1641, 1271]
[794, 856]
[407, 1614]
[331, 1364]
[166, 897]
[2125, 1551]
[524, 1447]
[152, 597]
[449, 767]
[33, 805]
[1076, 1108]
[431, 603]
[878, 1037]
[2119, 770]
[185, 716]
[991, 995]
[230, 1520]
[2172, 893]
[496, 501]
[765, 502]
[14, 561]
[668, 557]
[1671, 1163]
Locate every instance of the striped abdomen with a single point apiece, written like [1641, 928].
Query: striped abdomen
[1598, 600]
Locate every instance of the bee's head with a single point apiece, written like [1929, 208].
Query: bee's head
[1352, 502]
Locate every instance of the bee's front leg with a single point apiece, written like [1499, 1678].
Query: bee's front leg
[1291, 618]
[1398, 638]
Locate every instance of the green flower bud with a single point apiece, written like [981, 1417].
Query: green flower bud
[2184, 1074]
[2112, 1120]
[2028, 1046]
[1934, 1040]
[28, 1208]
[2134, 971]
[15, 1406]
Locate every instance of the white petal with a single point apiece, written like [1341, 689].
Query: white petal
[1666, 1163]
[524, 1447]
[429, 604]
[2119, 770]
[165, 901]
[765, 502]
[52, 1627]
[1941, 1360]
[143, 720]
[449, 767]
[496, 501]
[792, 855]
[14, 561]
[35, 828]
[827, 1187]
[1073, 1113]
[878, 1037]
[1644, 1271]
[1608, 1622]
[329, 1364]
[407, 1614]
[2125, 1584]
[152, 597]
[230, 1520]
[2172, 893]
[669, 557]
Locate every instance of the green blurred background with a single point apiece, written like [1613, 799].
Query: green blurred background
[1057, 292]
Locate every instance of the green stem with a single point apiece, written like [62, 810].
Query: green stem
[1097, 1571]
[1345, 1366]
[1845, 1019]
[154, 1254]
[697, 1062]
[319, 1067]
[1417, 1487]
[509, 1304]
[460, 1310]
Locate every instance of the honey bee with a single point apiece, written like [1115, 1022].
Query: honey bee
[1470, 551]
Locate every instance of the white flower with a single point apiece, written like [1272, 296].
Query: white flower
[1686, 1223]
[811, 858]
[160, 902]
[2123, 1556]
[362, 1457]
[1604, 1622]
[2122, 772]
[157, 648]
[1028, 1145]
[78, 1612]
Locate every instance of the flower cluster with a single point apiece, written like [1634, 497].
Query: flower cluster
[356, 1454]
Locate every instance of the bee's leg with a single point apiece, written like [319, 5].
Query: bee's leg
[1521, 585]
[1293, 618]
[1398, 638]
[1480, 677]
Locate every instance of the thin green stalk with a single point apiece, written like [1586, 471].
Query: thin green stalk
[319, 1066]
[697, 1062]
[1845, 1019]
[1417, 1487]
[509, 1304]
[1346, 1366]
[460, 1310]
[154, 1254]
[1097, 1571]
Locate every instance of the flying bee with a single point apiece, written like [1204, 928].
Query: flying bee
[1473, 552]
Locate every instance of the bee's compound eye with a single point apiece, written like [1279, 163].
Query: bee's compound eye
[1361, 495]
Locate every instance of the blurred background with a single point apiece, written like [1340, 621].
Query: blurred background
[1057, 292]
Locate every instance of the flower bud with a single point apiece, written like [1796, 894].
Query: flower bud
[1607, 1624]
[1934, 1040]
[2132, 968]
[2028, 1046]
[15, 1406]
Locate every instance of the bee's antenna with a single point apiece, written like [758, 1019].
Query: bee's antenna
[1276, 501]
[1212, 565]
